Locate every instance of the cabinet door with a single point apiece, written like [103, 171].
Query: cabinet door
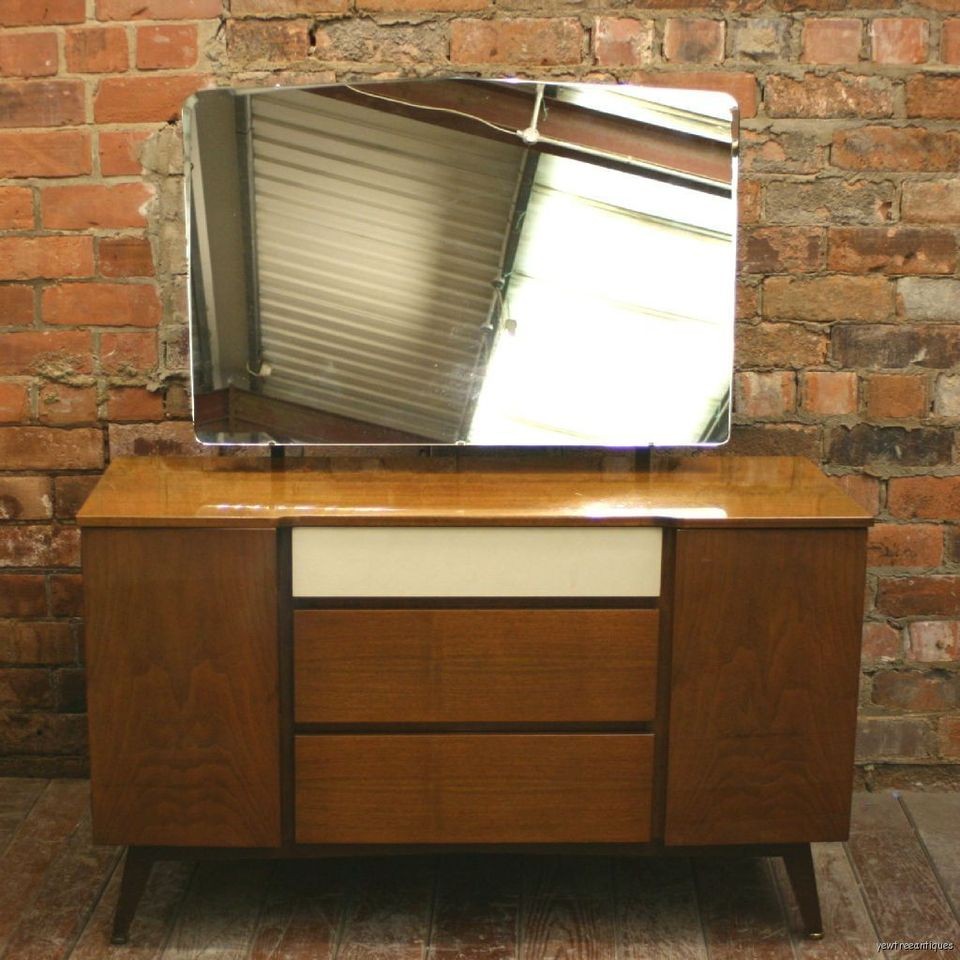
[765, 669]
[181, 648]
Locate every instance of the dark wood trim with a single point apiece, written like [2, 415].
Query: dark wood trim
[661, 725]
[285, 671]
[136, 872]
[453, 728]
[803, 879]
[474, 603]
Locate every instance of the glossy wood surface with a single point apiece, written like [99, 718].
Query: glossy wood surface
[701, 491]
[182, 684]
[766, 647]
[475, 666]
[474, 788]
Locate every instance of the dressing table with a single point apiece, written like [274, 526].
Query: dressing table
[286, 661]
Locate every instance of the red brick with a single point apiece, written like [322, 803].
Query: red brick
[22, 595]
[158, 9]
[894, 346]
[948, 6]
[108, 304]
[28, 54]
[765, 395]
[48, 448]
[924, 498]
[880, 642]
[948, 734]
[60, 153]
[892, 250]
[916, 692]
[97, 50]
[144, 99]
[262, 8]
[782, 250]
[58, 403]
[749, 200]
[931, 596]
[829, 392]
[28, 258]
[167, 47]
[741, 86]
[937, 98]
[905, 545]
[14, 404]
[831, 40]
[26, 689]
[748, 300]
[775, 440]
[931, 201]
[902, 40]
[376, 6]
[41, 103]
[16, 208]
[53, 353]
[693, 41]
[38, 545]
[120, 152]
[25, 498]
[66, 592]
[128, 354]
[622, 41]
[268, 39]
[823, 299]
[896, 148]
[22, 13]
[779, 345]
[896, 396]
[16, 305]
[134, 403]
[95, 205]
[865, 490]
[37, 642]
[70, 494]
[125, 257]
[837, 95]
[932, 641]
[171, 438]
[782, 150]
[524, 40]
[893, 738]
[950, 42]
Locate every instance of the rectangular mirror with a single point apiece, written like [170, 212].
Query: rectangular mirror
[462, 262]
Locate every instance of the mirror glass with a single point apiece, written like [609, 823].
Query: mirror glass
[462, 261]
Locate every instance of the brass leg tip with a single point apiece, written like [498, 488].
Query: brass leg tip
[119, 938]
[815, 935]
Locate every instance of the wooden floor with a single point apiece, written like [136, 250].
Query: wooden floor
[898, 879]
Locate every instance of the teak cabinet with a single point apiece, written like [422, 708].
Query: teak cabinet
[292, 662]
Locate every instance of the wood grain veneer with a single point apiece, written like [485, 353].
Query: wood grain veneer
[475, 666]
[182, 683]
[766, 646]
[247, 492]
[473, 788]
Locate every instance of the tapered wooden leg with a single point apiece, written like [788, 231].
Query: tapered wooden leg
[136, 872]
[803, 879]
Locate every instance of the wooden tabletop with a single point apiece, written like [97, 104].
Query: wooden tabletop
[250, 492]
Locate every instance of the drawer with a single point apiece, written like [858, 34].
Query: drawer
[476, 561]
[474, 788]
[475, 666]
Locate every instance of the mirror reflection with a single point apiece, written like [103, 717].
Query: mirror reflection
[462, 261]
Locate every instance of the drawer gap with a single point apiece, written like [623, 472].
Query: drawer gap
[475, 603]
[480, 727]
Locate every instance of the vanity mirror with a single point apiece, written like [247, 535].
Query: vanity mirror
[462, 261]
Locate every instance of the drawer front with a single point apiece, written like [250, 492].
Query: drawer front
[475, 666]
[476, 561]
[474, 788]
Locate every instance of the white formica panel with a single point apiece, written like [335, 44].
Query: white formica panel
[476, 561]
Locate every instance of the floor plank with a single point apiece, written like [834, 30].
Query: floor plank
[476, 908]
[936, 817]
[740, 910]
[70, 890]
[153, 921]
[849, 933]
[36, 843]
[17, 796]
[905, 897]
[303, 911]
[218, 916]
[568, 909]
[388, 917]
[656, 910]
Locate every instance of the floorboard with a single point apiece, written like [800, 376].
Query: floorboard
[936, 818]
[17, 796]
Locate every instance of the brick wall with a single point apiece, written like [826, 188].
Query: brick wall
[848, 342]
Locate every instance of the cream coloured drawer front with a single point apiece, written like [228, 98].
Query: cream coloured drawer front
[476, 561]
